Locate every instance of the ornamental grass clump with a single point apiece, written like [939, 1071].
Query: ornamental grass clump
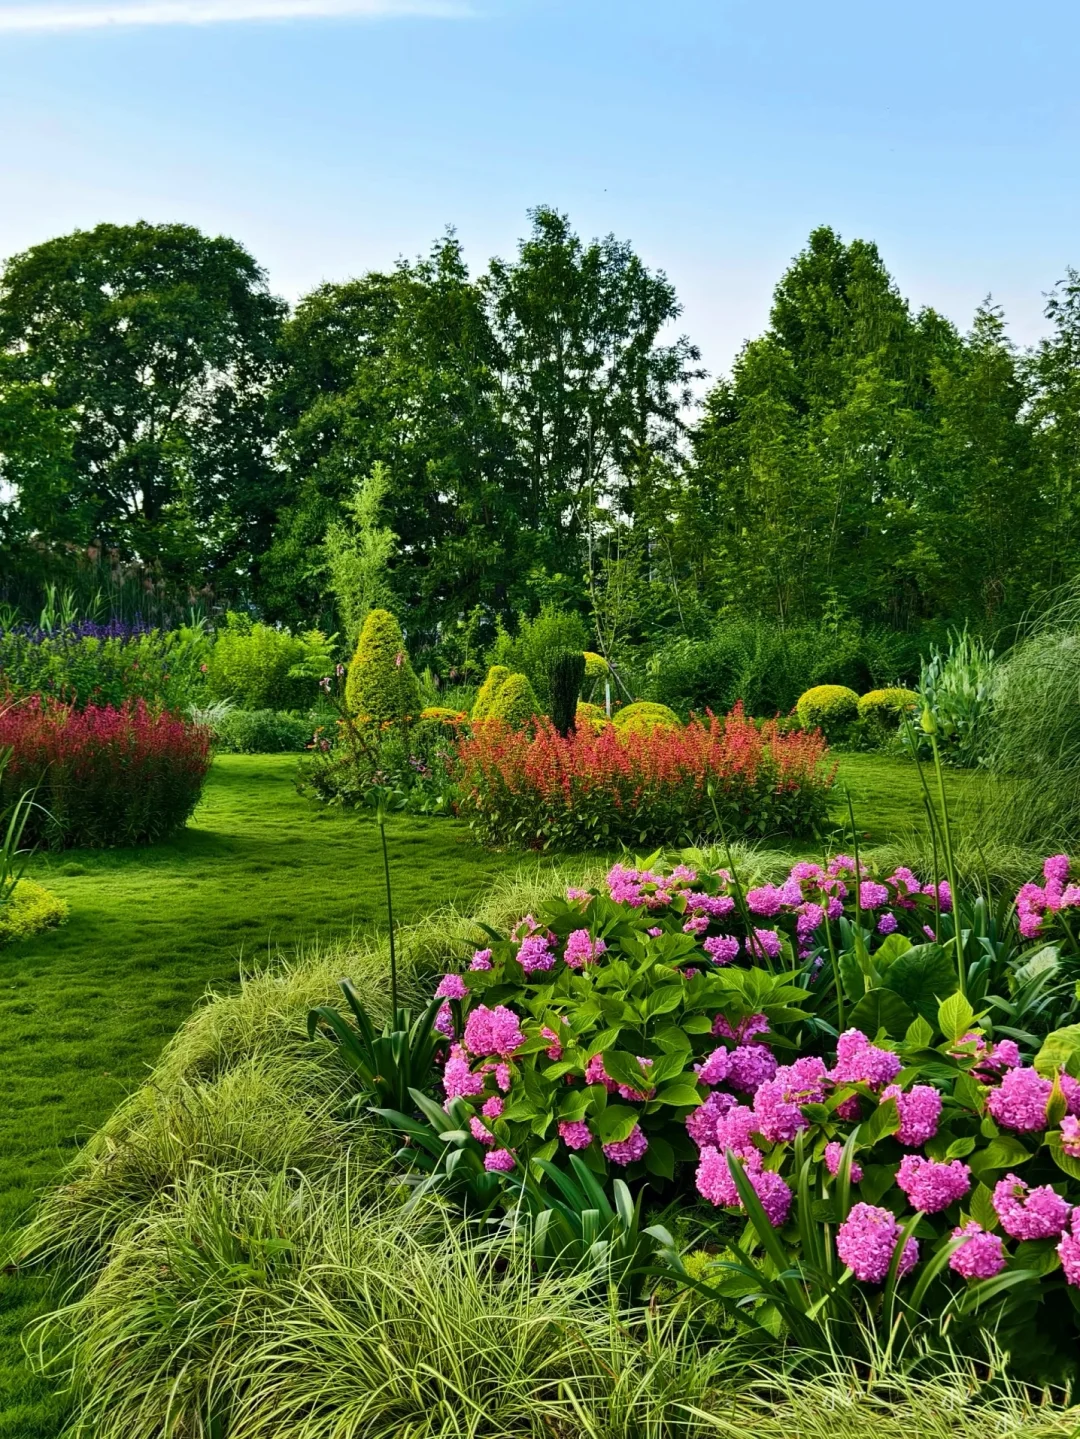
[604, 784]
[102, 775]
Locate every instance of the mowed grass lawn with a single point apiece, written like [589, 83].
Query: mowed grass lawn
[86, 1009]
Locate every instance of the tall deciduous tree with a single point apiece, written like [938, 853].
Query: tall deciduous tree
[148, 349]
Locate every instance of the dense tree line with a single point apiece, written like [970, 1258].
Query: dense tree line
[533, 437]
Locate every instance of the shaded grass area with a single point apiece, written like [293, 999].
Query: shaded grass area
[85, 1011]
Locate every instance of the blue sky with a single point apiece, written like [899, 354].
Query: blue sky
[331, 136]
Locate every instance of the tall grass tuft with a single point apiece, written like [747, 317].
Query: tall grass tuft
[1035, 754]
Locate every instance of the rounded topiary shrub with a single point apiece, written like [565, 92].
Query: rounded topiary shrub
[497, 676]
[381, 685]
[643, 716]
[515, 703]
[884, 709]
[30, 909]
[591, 715]
[830, 708]
[596, 666]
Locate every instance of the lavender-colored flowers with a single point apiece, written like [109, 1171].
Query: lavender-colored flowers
[715, 1068]
[867, 1240]
[1029, 1214]
[534, 952]
[778, 1102]
[932, 1186]
[582, 949]
[834, 1152]
[981, 1255]
[721, 948]
[458, 1078]
[481, 959]
[749, 1066]
[702, 1123]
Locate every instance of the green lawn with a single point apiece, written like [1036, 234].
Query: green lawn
[85, 1010]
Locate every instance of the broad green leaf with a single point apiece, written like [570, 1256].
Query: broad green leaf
[1038, 1255]
[697, 1024]
[1057, 1049]
[955, 1016]
[851, 975]
[960, 1148]
[922, 976]
[623, 1068]
[660, 1157]
[1002, 1153]
[881, 1009]
[1065, 1162]
[919, 1033]
[667, 1066]
[680, 1093]
[981, 1207]
[891, 950]
[664, 1000]
[884, 1120]
[1043, 961]
[877, 1180]
[966, 1091]
[616, 1123]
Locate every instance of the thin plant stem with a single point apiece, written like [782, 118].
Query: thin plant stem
[390, 918]
[950, 866]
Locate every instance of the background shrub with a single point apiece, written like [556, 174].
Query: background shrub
[536, 646]
[592, 715]
[88, 663]
[514, 702]
[957, 685]
[259, 667]
[262, 732]
[567, 674]
[832, 709]
[30, 909]
[381, 684]
[102, 775]
[642, 717]
[497, 676]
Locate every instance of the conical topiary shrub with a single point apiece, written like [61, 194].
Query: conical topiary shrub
[497, 676]
[515, 703]
[381, 684]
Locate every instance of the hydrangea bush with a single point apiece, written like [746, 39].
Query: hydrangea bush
[677, 1030]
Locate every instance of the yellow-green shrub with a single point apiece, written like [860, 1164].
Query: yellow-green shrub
[515, 702]
[596, 666]
[590, 714]
[30, 909]
[443, 715]
[381, 684]
[643, 716]
[885, 708]
[829, 708]
[497, 676]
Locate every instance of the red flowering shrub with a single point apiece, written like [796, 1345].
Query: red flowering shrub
[103, 776]
[597, 788]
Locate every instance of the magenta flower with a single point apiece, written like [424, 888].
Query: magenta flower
[888, 923]
[451, 986]
[778, 1101]
[575, 1134]
[919, 1109]
[654, 931]
[493, 1031]
[981, 1255]
[1020, 1100]
[1070, 1136]
[696, 924]
[860, 1062]
[746, 1030]
[481, 959]
[480, 1131]
[534, 952]
[499, 1161]
[626, 1151]
[932, 1186]
[493, 1107]
[701, 1123]
[834, 1152]
[867, 1240]
[444, 1020]
[596, 1074]
[574, 893]
[582, 949]
[714, 1069]
[750, 1065]
[716, 906]
[1029, 1214]
[721, 948]
[458, 1079]
[1069, 1250]
[716, 1183]
[766, 901]
[872, 895]
[765, 943]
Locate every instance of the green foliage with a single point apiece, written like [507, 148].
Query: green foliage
[386, 1065]
[832, 709]
[381, 686]
[497, 676]
[596, 666]
[592, 715]
[567, 673]
[885, 708]
[358, 554]
[259, 667]
[160, 666]
[28, 909]
[261, 732]
[515, 703]
[643, 716]
[537, 645]
[957, 686]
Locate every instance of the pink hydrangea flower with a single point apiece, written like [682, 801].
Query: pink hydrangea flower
[493, 1031]
[499, 1160]
[1039, 1213]
[573, 893]
[919, 1109]
[716, 1183]
[554, 1049]
[655, 931]
[684, 874]
[582, 949]
[944, 895]
[778, 1101]
[535, 953]
[1069, 1250]
[767, 900]
[627, 1151]
[867, 1240]
[721, 948]
[765, 943]
[932, 1186]
[716, 906]
[444, 1020]
[1020, 1100]
[481, 959]
[575, 1133]
[1070, 1136]
[1056, 869]
[701, 1123]
[480, 1131]
[458, 1079]
[451, 986]
[746, 1030]
[715, 1067]
[807, 869]
[849, 1108]
[834, 1152]
[872, 895]
[696, 924]
[493, 1107]
[888, 923]
[596, 1074]
[750, 1065]
[981, 1255]
[860, 1062]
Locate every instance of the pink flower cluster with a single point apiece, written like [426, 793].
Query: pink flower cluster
[1034, 902]
[627, 1151]
[867, 1240]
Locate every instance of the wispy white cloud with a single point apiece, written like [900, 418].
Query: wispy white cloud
[101, 14]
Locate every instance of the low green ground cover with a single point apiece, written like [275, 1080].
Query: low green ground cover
[85, 1010]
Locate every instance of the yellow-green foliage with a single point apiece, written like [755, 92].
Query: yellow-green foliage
[381, 684]
[830, 708]
[515, 702]
[887, 707]
[443, 715]
[592, 715]
[497, 676]
[643, 716]
[30, 909]
[596, 666]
